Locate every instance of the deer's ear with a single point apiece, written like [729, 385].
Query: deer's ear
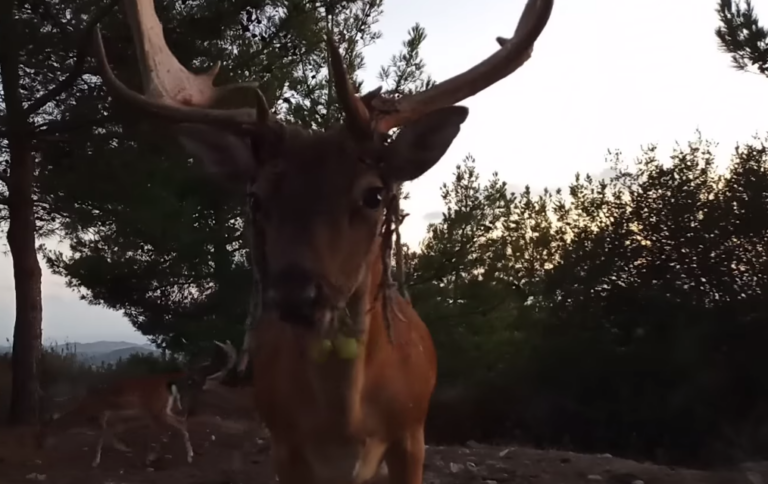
[223, 153]
[421, 143]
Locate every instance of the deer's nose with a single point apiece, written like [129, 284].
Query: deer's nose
[294, 292]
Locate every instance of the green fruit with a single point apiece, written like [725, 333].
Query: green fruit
[346, 347]
[320, 349]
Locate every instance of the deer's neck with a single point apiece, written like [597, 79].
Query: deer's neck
[339, 382]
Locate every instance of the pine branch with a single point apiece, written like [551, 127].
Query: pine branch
[79, 66]
[741, 35]
[63, 126]
[4, 197]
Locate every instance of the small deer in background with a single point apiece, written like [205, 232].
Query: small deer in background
[343, 367]
[156, 400]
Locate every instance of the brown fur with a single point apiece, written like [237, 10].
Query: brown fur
[382, 396]
[337, 411]
[114, 407]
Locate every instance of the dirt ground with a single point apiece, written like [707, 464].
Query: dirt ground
[230, 452]
[233, 450]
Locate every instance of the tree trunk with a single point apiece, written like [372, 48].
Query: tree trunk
[21, 231]
[27, 276]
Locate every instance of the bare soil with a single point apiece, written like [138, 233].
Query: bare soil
[231, 451]
[234, 450]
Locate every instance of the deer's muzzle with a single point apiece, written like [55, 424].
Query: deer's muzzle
[298, 296]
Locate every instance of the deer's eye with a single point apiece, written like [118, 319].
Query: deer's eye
[372, 198]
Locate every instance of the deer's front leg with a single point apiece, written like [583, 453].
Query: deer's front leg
[405, 459]
[291, 466]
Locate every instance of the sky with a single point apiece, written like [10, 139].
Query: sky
[605, 74]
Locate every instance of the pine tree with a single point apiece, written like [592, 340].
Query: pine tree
[741, 35]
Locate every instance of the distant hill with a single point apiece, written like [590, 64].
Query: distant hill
[100, 351]
[113, 356]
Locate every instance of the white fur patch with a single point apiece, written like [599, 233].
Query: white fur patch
[174, 398]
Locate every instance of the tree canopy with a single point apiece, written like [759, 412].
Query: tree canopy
[156, 238]
[625, 314]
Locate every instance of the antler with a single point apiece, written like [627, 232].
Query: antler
[383, 114]
[231, 361]
[174, 93]
[171, 91]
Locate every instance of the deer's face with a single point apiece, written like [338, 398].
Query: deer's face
[319, 207]
[318, 200]
[319, 197]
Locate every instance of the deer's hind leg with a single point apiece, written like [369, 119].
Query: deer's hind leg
[114, 441]
[118, 444]
[181, 425]
[103, 418]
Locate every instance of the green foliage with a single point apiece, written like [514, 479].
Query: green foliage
[406, 72]
[459, 282]
[50, 42]
[626, 317]
[741, 35]
[152, 236]
[138, 364]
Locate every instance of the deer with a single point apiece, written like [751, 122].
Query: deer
[163, 400]
[343, 366]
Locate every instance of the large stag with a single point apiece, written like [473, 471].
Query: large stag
[322, 212]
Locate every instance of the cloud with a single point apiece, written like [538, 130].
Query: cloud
[604, 174]
[434, 216]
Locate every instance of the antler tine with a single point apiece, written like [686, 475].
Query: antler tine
[231, 360]
[172, 92]
[356, 116]
[391, 113]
